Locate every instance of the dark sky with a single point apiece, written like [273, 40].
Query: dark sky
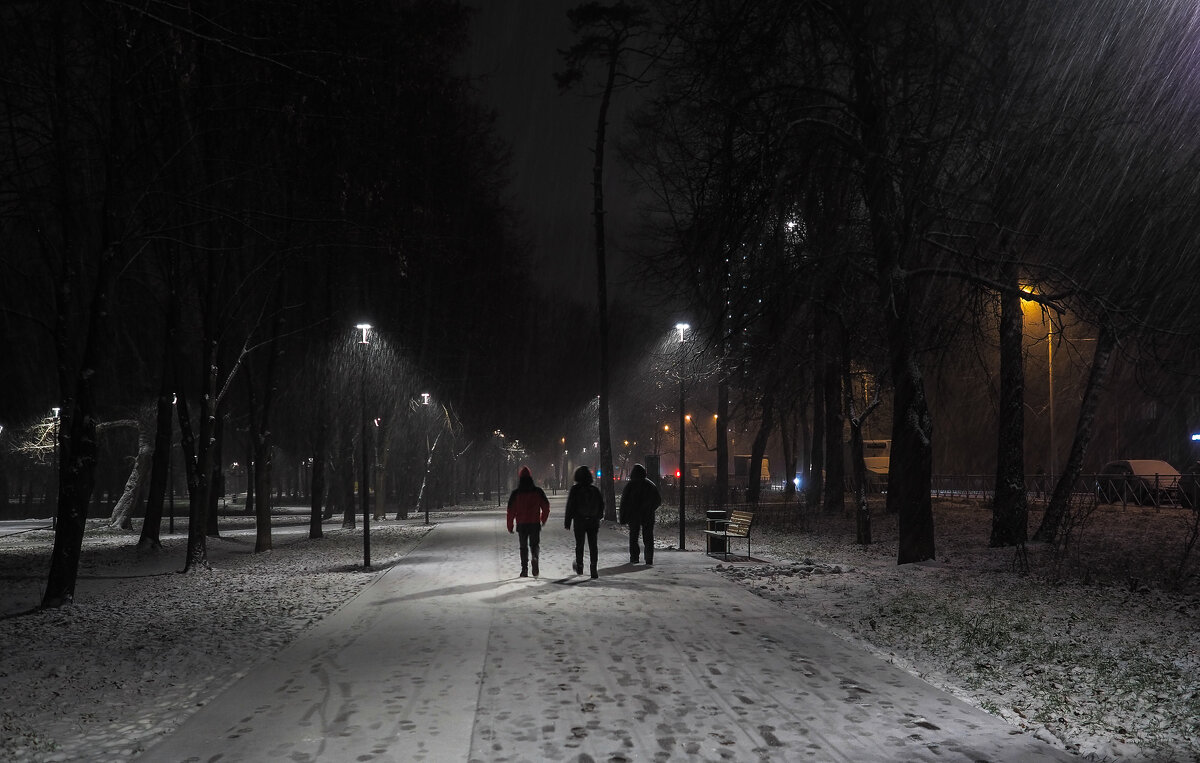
[514, 57]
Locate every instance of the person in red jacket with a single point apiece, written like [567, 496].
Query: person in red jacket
[528, 509]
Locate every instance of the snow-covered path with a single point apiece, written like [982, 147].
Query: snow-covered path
[449, 656]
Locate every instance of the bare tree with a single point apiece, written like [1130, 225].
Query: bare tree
[606, 33]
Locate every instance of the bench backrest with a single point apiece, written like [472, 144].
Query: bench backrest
[739, 522]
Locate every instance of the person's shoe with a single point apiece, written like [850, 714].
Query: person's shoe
[578, 567]
[535, 567]
[524, 572]
[633, 560]
[594, 574]
[649, 563]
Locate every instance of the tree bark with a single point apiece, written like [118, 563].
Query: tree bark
[1010, 511]
[1106, 342]
[722, 442]
[816, 466]
[606, 482]
[122, 512]
[164, 428]
[759, 448]
[835, 461]
[910, 476]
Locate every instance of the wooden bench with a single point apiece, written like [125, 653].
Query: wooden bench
[737, 526]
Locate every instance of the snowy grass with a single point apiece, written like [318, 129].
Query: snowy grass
[144, 646]
[1093, 647]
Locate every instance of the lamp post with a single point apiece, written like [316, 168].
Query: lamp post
[428, 456]
[682, 327]
[1049, 320]
[1050, 389]
[170, 478]
[57, 467]
[364, 490]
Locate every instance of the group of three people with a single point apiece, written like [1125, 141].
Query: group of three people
[529, 510]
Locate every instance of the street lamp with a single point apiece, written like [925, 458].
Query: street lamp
[364, 491]
[1049, 375]
[682, 327]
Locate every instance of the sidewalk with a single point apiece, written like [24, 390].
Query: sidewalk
[449, 656]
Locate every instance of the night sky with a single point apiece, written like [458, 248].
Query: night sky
[514, 56]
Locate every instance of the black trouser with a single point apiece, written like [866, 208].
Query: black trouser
[589, 529]
[530, 536]
[644, 530]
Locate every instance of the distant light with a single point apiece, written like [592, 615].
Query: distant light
[678, 474]
[1196, 437]
[425, 398]
[682, 327]
[796, 481]
[364, 328]
[598, 473]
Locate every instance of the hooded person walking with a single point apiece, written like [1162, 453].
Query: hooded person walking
[639, 500]
[528, 509]
[585, 507]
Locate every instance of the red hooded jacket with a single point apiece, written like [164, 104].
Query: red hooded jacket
[527, 504]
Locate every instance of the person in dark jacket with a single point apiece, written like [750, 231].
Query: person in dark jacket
[585, 507]
[639, 500]
[528, 509]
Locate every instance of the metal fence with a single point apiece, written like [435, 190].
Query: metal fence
[1152, 490]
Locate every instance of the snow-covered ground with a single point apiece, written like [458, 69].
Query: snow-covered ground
[1097, 648]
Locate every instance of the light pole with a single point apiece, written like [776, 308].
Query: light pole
[428, 455]
[1049, 320]
[57, 468]
[682, 327]
[170, 478]
[1050, 388]
[364, 491]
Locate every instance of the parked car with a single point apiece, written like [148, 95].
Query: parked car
[1140, 481]
[1189, 486]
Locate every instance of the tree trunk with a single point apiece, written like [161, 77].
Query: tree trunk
[722, 442]
[202, 469]
[346, 475]
[1010, 511]
[164, 427]
[862, 509]
[78, 470]
[1106, 342]
[379, 474]
[754, 479]
[317, 483]
[835, 460]
[816, 467]
[251, 491]
[122, 512]
[607, 486]
[262, 508]
[910, 477]
[787, 444]
[216, 480]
